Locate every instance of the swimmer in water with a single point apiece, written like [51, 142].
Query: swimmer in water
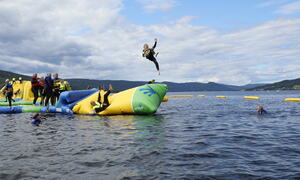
[260, 110]
[36, 119]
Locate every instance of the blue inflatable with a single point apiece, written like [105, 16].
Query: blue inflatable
[70, 98]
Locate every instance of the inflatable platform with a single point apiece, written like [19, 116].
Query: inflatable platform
[144, 100]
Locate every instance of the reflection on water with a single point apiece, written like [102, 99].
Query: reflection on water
[125, 125]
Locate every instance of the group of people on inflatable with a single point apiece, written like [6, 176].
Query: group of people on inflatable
[48, 88]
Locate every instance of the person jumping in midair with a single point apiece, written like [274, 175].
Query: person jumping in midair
[151, 55]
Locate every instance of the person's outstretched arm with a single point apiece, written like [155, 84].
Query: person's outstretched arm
[155, 42]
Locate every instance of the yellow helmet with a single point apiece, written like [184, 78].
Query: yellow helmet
[20, 78]
[14, 79]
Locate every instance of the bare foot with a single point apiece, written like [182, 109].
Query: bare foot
[110, 87]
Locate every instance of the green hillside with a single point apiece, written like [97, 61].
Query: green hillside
[293, 84]
[120, 85]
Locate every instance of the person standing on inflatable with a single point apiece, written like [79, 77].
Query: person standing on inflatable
[9, 91]
[35, 87]
[151, 55]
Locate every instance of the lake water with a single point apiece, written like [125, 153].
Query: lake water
[188, 138]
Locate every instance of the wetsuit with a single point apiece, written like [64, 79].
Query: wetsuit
[9, 92]
[36, 121]
[35, 89]
[42, 91]
[149, 54]
[101, 106]
[48, 87]
[261, 112]
[56, 92]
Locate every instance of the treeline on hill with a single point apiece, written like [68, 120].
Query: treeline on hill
[119, 85]
[9, 75]
[293, 84]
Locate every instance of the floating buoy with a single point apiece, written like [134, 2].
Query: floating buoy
[165, 99]
[251, 97]
[292, 99]
[182, 96]
[221, 96]
[201, 95]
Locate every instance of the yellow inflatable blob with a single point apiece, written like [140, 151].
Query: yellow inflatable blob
[292, 99]
[27, 92]
[85, 107]
[201, 95]
[18, 89]
[140, 100]
[251, 97]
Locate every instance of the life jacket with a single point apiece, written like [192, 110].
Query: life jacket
[56, 83]
[41, 83]
[63, 86]
[98, 105]
[34, 82]
[148, 52]
[9, 88]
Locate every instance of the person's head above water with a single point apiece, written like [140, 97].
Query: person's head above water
[7, 80]
[34, 75]
[259, 108]
[49, 74]
[36, 116]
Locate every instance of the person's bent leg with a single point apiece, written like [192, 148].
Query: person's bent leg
[106, 98]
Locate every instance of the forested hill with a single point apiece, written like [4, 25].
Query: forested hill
[293, 84]
[120, 85]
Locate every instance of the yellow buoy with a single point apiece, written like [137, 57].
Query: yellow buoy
[201, 95]
[251, 97]
[292, 99]
[165, 99]
[221, 96]
[182, 96]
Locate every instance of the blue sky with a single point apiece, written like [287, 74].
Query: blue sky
[223, 15]
[225, 41]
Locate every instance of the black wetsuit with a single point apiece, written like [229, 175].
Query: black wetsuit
[149, 54]
[261, 112]
[105, 103]
[48, 87]
[35, 89]
[56, 92]
[9, 92]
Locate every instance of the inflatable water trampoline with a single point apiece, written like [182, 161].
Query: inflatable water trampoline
[144, 100]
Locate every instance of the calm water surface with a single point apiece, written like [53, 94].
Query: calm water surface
[188, 138]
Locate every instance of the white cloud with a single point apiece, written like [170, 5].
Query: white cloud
[152, 5]
[290, 8]
[272, 3]
[90, 39]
